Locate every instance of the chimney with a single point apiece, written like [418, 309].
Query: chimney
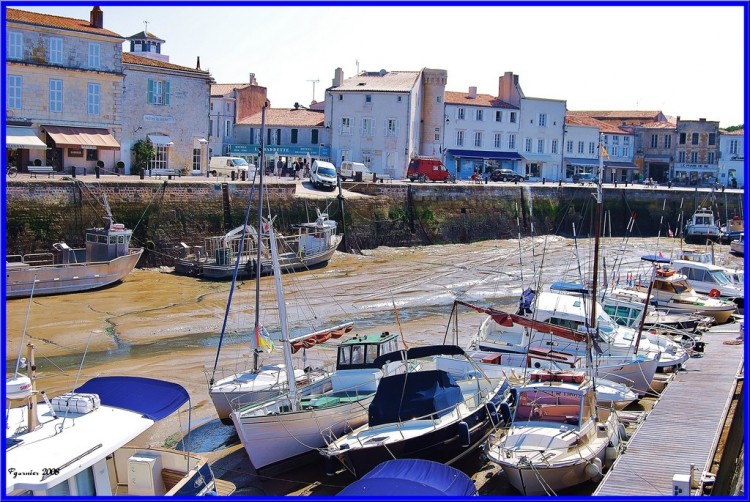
[97, 17]
[252, 79]
[198, 64]
[472, 93]
[338, 77]
[702, 120]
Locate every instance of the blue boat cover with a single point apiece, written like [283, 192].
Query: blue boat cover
[655, 258]
[154, 399]
[423, 394]
[412, 477]
[568, 287]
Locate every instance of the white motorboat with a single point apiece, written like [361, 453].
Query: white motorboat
[568, 312]
[77, 443]
[435, 412]
[559, 437]
[702, 227]
[709, 279]
[673, 292]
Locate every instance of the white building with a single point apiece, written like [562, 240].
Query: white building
[732, 157]
[167, 104]
[378, 118]
[481, 134]
[64, 83]
[540, 132]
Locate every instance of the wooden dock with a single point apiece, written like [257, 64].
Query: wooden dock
[685, 424]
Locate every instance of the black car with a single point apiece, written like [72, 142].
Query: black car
[585, 178]
[506, 175]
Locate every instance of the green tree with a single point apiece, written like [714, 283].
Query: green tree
[143, 152]
[734, 128]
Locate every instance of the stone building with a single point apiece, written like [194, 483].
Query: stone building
[167, 104]
[697, 152]
[64, 82]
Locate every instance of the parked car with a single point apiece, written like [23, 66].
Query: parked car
[506, 175]
[585, 178]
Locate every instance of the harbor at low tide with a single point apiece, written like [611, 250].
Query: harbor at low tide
[166, 326]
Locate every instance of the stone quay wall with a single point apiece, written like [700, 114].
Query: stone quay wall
[166, 213]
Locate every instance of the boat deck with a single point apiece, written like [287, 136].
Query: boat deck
[685, 424]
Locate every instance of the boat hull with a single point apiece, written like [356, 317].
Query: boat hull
[67, 278]
[247, 388]
[271, 440]
[441, 444]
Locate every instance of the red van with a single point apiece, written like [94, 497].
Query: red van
[428, 168]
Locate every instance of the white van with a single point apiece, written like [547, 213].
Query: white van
[350, 169]
[323, 175]
[229, 165]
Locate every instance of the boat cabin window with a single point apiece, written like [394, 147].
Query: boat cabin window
[121, 239]
[113, 239]
[624, 316]
[681, 286]
[719, 277]
[358, 354]
[566, 323]
[102, 239]
[344, 355]
[372, 353]
[664, 286]
[548, 406]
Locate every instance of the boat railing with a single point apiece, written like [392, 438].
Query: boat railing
[32, 258]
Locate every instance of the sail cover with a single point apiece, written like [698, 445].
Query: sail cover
[154, 399]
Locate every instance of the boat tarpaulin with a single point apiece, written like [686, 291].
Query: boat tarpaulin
[154, 399]
[412, 477]
[423, 394]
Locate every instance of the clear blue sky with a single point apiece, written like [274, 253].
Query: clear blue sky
[686, 61]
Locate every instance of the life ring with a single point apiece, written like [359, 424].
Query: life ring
[714, 293]
[150, 245]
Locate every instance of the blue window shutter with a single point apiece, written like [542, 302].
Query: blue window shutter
[150, 92]
[166, 92]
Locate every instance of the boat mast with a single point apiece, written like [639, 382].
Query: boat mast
[259, 243]
[293, 400]
[595, 272]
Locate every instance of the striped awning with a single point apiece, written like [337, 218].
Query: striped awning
[22, 137]
[81, 137]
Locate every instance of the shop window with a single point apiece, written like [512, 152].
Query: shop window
[92, 154]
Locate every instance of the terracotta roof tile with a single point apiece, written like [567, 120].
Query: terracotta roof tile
[224, 89]
[738, 132]
[462, 98]
[284, 117]
[592, 122]
[130, 58]
[65, 23]
[393, 81]
[613, 114]
[658, 125]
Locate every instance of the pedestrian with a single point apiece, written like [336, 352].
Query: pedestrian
[306, 172]
[279, 168]
[295, 169]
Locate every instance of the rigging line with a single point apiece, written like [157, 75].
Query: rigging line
[25, 324]
[75, 382]
[234, 276]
